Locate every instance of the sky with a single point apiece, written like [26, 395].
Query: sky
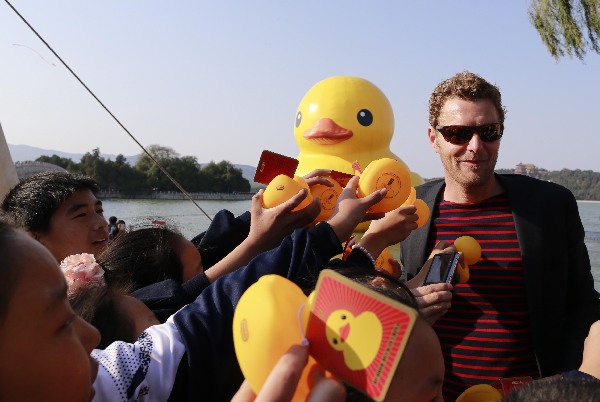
[222, 80]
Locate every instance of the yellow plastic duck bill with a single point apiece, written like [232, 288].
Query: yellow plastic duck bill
[343, 119]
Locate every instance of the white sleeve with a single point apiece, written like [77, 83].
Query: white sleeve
[143, 371]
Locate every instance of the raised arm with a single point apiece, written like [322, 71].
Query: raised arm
[394, 227]
[350, 210]
[268, 227]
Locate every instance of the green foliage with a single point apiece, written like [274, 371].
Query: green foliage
[146, 176]
[570, 27]
[584, 184]
[224, 177]
[64, 163]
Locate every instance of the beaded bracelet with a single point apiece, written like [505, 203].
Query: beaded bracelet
[364, 250]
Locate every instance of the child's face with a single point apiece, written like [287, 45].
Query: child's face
[77, 226]
[45, 347]
[190, 259]
[420, 373]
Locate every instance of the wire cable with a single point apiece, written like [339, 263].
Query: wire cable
[175, 182]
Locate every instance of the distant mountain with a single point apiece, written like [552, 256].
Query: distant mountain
[21, 153]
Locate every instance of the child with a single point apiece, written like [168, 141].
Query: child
[166, 271]
[112, 227]
[45, 347]
[60, 210]
[118, 316]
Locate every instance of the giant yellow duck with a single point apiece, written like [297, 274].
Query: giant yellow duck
[343, 119]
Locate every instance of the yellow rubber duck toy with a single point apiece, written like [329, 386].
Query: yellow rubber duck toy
[270, 317]
[471, 254]
[343, 119]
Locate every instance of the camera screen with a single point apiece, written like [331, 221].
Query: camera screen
[440, 265]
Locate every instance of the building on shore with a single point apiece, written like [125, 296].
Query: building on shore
[529, 169]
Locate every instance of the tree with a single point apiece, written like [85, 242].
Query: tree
[65, 163]
[118, 175]
[155, 178]
[224, 177]
[92, 164]
[562, 25]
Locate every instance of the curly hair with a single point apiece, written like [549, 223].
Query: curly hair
[464, 85]
[32, 202]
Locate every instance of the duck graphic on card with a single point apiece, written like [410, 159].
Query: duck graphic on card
[358, 338]
[356, 333]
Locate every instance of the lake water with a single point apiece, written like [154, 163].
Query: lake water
[191, 220]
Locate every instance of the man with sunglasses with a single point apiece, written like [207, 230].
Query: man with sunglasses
[530, 299]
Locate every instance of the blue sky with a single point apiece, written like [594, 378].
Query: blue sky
[222, 80]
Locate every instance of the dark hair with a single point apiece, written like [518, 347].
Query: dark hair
[142, 257]
[112, 219]
[464, 85]
[557, 389]
[100, 307]
[377, 280]
[32, 202]
[10, 273]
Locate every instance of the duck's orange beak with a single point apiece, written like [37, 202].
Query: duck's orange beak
[327, 132]
[344, 332]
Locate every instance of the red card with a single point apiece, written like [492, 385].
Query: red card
[341, 178]
[272, 164]
[358, 334]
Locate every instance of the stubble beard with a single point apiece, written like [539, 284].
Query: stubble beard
[469, 177]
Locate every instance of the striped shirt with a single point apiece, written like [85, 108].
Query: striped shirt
[485, 335]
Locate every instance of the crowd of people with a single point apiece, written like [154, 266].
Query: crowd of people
[92, 310]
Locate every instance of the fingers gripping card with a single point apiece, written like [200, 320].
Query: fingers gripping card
[358, 334]
[272, 164]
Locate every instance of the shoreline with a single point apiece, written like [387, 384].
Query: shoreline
[176, 195]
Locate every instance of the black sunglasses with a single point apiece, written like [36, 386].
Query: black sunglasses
[459, 135]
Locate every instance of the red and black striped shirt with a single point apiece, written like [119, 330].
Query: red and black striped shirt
[485, 335]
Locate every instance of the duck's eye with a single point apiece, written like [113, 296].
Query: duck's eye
[298, 119]
[335, 341]
[364, 117]
[343, 316]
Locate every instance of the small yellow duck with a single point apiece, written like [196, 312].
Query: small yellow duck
[343, 119]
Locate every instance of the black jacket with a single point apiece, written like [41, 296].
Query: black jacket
[561, 297]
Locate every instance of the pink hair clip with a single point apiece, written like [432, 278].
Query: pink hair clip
[82, 270]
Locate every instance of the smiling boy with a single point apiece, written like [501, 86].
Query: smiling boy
[60, 210]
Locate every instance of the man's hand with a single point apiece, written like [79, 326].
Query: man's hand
[433, 300]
